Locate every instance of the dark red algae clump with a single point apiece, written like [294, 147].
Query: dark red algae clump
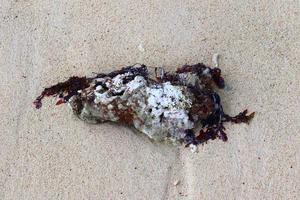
[70, 87]
[165, 106]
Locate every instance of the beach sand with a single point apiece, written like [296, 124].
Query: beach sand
[50, 154]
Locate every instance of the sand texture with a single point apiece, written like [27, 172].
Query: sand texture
[50, 154]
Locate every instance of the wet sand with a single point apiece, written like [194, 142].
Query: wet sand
[50, 154]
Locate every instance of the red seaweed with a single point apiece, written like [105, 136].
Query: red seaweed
[70, 87]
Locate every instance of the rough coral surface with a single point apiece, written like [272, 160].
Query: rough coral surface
[164, 106]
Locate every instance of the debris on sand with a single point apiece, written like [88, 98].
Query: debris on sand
[166, 106]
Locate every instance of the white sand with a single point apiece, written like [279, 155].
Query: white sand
[50, 154]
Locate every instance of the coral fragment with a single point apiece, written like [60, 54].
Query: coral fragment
[166, 107]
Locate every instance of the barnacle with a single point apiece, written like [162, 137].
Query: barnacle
[166, 106]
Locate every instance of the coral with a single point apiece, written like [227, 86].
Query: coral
[167, 106]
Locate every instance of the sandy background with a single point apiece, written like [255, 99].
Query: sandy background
[50, 154]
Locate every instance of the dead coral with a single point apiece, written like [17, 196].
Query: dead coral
[167, 106]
